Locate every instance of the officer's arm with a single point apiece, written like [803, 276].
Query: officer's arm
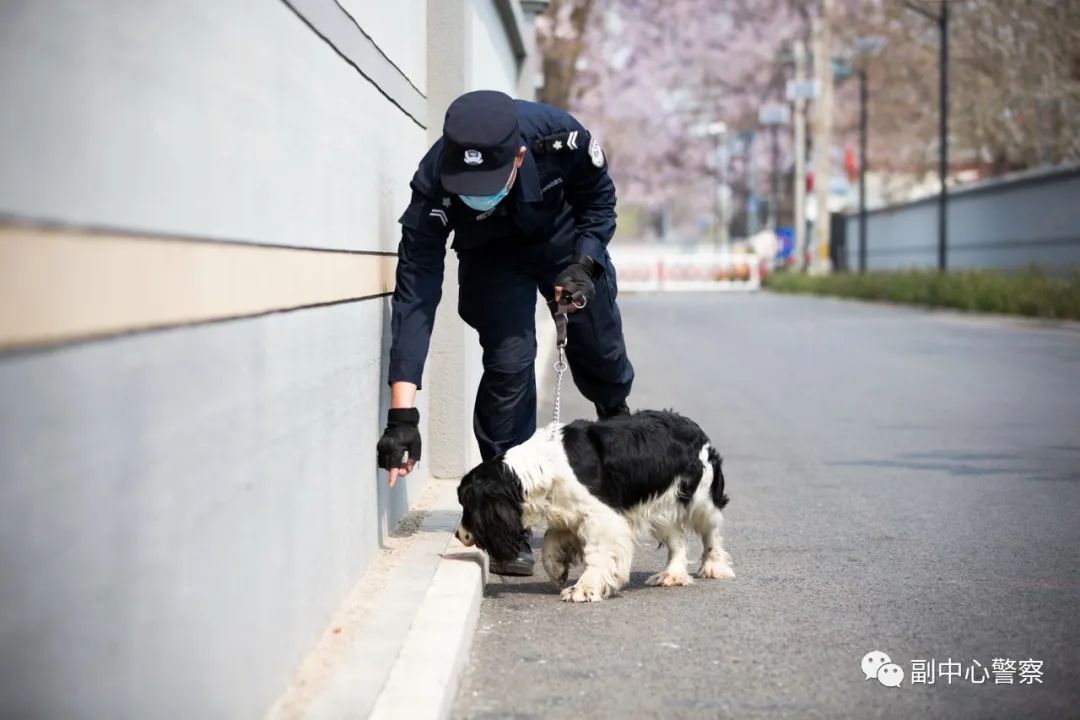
[591, 194]
[419, 287]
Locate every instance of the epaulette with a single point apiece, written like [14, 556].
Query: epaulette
[568, 141]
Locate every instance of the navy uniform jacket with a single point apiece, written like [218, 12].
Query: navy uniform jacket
[562, 194]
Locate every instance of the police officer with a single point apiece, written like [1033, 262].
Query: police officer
[525, 189]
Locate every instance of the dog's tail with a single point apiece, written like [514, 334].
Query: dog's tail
[717, 490]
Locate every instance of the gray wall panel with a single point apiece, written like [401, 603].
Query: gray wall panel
[224, 119]
[1006, 224]
[181, 511]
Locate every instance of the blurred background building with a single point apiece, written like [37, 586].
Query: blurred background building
[199, 225]
[692, 99]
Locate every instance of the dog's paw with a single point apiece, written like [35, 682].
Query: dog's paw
[670, 579]
[562, 550]
[581, 593]
[714, 569]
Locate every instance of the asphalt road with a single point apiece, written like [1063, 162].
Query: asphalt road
[901, 480]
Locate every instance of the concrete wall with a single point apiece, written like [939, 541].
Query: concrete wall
[494, 64]
[1003, 223]
[187, 487]
[470, 47]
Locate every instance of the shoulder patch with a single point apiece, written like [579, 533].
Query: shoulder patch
[596, 153]
[560, 142]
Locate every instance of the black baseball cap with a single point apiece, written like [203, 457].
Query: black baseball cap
[480, 141]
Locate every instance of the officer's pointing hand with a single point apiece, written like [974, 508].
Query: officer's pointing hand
[399, 447]
[576, 281]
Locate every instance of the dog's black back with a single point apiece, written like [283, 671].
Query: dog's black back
[630, 459]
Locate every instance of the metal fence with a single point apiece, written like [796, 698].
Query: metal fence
[1010, 222]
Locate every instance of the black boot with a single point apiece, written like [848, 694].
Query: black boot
[522, 565]
[603, 413]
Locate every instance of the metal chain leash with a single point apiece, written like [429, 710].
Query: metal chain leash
[560, 368]
[562, 317]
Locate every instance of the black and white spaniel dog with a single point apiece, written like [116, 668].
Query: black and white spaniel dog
[597, 484]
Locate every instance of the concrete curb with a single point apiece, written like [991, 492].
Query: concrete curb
[397, 645]
[429, 658]
[424, 679]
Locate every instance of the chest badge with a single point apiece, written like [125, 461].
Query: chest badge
[553, 184]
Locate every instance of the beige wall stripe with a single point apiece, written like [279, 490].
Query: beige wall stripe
[65, 285]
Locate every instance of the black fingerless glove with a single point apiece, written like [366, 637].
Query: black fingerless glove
[576, 279]
[402, 435]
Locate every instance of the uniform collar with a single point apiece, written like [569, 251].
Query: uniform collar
[529, 178]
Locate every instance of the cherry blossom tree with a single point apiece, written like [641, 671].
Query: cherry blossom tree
[1014, 84]
[648, 75]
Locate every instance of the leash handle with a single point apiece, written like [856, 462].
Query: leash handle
[561, 314]
[561, 321]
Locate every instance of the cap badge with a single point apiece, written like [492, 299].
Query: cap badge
[473, 157]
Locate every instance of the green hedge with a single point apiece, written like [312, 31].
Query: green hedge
[1030, 293]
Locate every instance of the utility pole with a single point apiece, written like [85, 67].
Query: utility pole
[717, 130]
[800, 152]
[942, 20]
[823, 125]
[774, 202]
[752, 212]
[943, 158]
[717, 210]
[863, 130]
[771, 115]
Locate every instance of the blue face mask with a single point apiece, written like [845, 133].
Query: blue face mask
[483, 203]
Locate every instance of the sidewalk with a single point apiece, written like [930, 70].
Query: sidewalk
[395, 646]
[398, 644]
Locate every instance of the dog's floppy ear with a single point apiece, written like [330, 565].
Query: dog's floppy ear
[462, 489]
[493, 501]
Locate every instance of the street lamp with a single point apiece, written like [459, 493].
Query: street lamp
[864, 47]
[843, 68]
[773, 115]
[716, 130]
[942, 20]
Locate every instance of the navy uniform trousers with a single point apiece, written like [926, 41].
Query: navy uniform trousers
[497, 298]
